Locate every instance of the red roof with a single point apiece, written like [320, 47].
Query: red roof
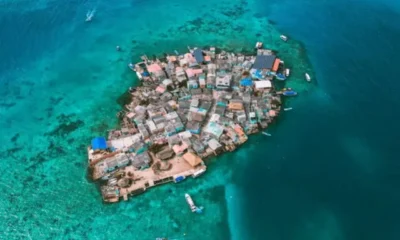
[276, 65]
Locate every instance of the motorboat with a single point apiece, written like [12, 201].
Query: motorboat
[198, 173]
[193, 207]
[287, 109]
[287, 72]
[280, 77]
[308, 78]
[289, 93]
[190, 202]
[266, 134]
[284, 38]
[259, 45]
[90, 15]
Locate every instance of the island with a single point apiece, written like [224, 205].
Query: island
[188, 107]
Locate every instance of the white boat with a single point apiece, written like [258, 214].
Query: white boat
[287, 109]
[287, 72]
[190, 202]
[266, 134]
[284, 38]
[198, 173]
[139, 75]
[308, 78]
[90, 15]
[259, 45]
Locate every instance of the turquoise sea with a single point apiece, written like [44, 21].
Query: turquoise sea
[329, 171]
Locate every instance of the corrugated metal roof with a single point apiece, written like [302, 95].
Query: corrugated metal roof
[264, 61]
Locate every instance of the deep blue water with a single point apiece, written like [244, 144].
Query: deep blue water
[330, 171]
[335, 165]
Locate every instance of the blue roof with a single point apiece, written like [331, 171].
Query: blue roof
[198, 55]
[264, 61]
[99, 143]
[246, 82]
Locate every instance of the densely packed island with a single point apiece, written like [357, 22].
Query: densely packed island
[188, 107]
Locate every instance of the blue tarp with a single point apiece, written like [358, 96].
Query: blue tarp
[246, 82]
[99, 143]
[145, 74]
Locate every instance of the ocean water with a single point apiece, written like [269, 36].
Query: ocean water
[329, 171]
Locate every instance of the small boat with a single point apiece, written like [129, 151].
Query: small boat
[90, 15]
[132, 89]
[280, 77]
[259, 45]
[308, 78]
[176, 52]
[193, 207]
[266, 134]
[190, 202]
[284, 38]
[179, 179]
[287, 72]
[132, 67]
[289, 93]
[198, 173]
[287, 109]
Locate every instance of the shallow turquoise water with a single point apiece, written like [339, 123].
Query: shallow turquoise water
[328, 172]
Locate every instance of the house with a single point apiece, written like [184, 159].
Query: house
[202, 80]
[192, 159]
[210, 81]
[141, 161]
[172, 140]
[152, 126]
[276, 65]
[194, 103]
[223, 82]
[180, 149]
[214, 144]
[198, 55]
[220, 110]
[170, 129]
[264, 62]
[125, 142]
[192, 83]
[198, 146]
[193, 127]
[241, 116]
[262, 85]
[139, 147]
[165, 154]
[143, 131]
[214, 129]
[206, 105]
[235, 104]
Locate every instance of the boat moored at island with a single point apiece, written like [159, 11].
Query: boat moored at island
[284, 38]
[287, 72]
[307, 76]
[288, 92]
[259, 45]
